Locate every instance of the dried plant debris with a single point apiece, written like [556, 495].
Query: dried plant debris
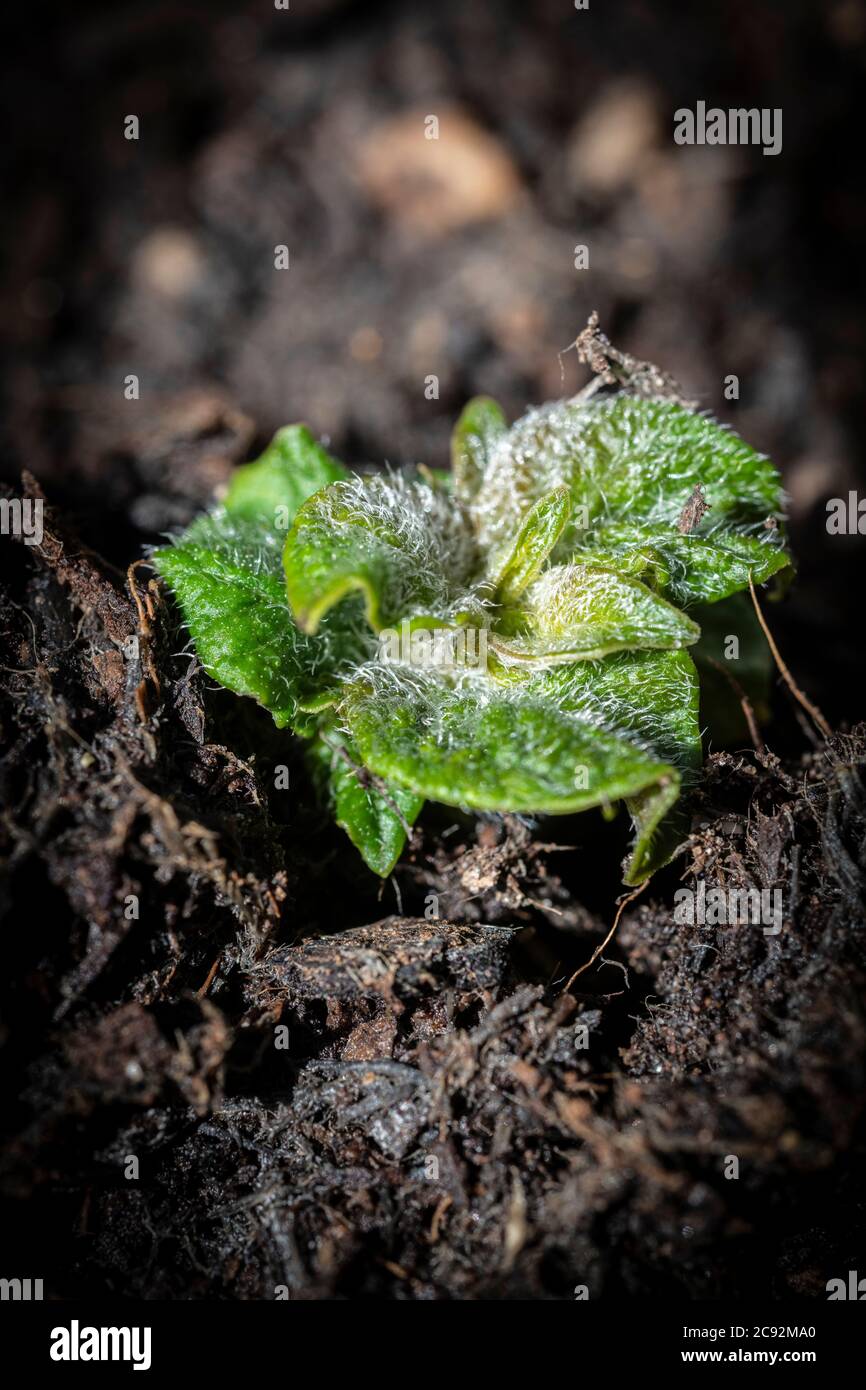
[615, 368]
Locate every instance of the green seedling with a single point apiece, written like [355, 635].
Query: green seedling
[512, 636]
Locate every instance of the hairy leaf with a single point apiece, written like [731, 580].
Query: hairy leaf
[270, 490]
[404, 546]
[688, 568]
[576, 612]
[651, 699]
[374, 814]
[535, 540]
[510, 750]
[554, 743]
[631, 466]
[227, 578]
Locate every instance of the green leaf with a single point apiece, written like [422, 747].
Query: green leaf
[480, 425]
[651, 699]
[227, 578]
[562, 740]
[688, 568]
[535, 540]
[270, 490]
[575, 612]
[373, 814]
[406, 548]
[631, 466]
[507, 751]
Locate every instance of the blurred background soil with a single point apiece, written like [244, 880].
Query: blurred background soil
[410, 258]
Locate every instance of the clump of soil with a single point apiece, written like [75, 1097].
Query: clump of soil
[230, 1088]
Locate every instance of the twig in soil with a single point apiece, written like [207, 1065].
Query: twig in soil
[812, 710]
[623, 903]
[202, 991]
[441, 1207]
[620, 965]
[143, 617]
[745, 705]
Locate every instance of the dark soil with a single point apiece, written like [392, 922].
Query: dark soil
[332, 1088]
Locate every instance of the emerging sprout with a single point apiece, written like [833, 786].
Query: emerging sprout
[512, 636]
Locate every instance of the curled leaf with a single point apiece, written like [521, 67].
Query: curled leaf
[508, 751]
[579, 613]
[541, 529]
[556, 742]
[403, 546]
[651, 698]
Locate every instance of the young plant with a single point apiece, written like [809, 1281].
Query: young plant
[512, 636]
